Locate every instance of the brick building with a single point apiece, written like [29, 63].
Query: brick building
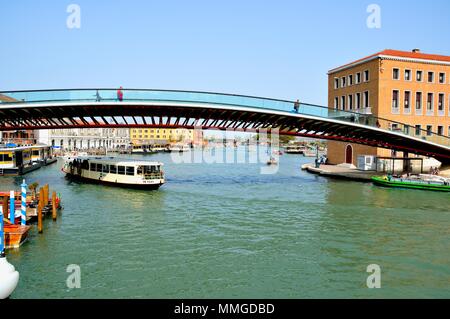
[408, 87]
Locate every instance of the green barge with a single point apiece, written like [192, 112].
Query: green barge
[432, 184]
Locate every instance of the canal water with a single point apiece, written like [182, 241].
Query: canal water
[227, 231]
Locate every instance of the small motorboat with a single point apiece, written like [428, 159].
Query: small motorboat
[278, 152]
[15, 235]
[423, 182]
[272, 161]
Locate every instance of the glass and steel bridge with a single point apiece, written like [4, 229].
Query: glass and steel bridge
[99, 107]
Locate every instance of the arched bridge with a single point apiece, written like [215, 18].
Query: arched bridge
[51, 109]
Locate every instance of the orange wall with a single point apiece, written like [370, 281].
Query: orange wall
[380, 87]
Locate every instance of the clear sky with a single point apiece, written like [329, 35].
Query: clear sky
[280, 49]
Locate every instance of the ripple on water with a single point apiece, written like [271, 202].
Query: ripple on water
[226, 231]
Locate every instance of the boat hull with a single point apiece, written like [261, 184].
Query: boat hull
[149, 186]
[15, 235]
[396, 184]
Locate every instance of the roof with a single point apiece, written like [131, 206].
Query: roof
[388, 53]
[116, 160]
[21, 148]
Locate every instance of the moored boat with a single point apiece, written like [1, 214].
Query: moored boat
[15, 235]
[116, 171]
[434, 183]
[179, 148]
[295, 149]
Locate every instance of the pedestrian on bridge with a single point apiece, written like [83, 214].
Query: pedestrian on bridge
[120, 94]
[296, 106]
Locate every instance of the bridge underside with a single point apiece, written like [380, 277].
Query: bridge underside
[103, 115]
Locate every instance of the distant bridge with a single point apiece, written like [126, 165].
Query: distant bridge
[83, 108]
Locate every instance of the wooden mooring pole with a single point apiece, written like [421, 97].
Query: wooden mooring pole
[54, 212]
[40, 207]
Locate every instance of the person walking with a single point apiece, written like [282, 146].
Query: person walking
[120, 94]
[296, 106]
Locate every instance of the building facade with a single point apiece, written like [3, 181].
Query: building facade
[407, 87]
[86, 138]
[161, 136]
[20, 137]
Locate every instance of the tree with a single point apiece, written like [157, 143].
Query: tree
[33, 187]
[285, 139]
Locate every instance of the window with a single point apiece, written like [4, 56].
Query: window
[130, 170]
[366, 76]
[396, 74]
[407, 75]
[358, 100]
[113, 169]
[430, 98]
[343, 103]
[419, 76]
[343, 81]
[395, 99]
[350, 79]
[406, 128]
[336, 86]
[418, 129]
[366, 99]
[350, 102]
[336, 103]
[429, 130]
[99, 167]
[6, 157]
[442, 78]
[430, 77]
[358, 77]
[121, 170]
[407, 100]
[441, 102]
[418, 100]
[105, 168]
[440, 130]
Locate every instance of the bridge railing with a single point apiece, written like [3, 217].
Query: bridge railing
[138, 95]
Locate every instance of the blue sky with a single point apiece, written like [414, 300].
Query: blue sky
[280, 49]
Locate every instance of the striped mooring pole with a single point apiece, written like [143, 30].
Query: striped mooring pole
[23, 215]
[12, 207]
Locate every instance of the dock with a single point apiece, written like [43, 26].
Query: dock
[33, 207]
[341, 172]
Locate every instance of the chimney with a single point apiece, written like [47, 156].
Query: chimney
[416, 50]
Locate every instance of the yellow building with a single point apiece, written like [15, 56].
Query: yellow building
[408, 87]
[160, 136]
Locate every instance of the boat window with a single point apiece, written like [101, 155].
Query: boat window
[35, 152]
[113, 169]
[99, 167]
[130, 170]
[105, 168]
[121, 170]
[85, 164]
[5, 158]
[139, 170]
[92, 168]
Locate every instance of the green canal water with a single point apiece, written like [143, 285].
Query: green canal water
[227, 231]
